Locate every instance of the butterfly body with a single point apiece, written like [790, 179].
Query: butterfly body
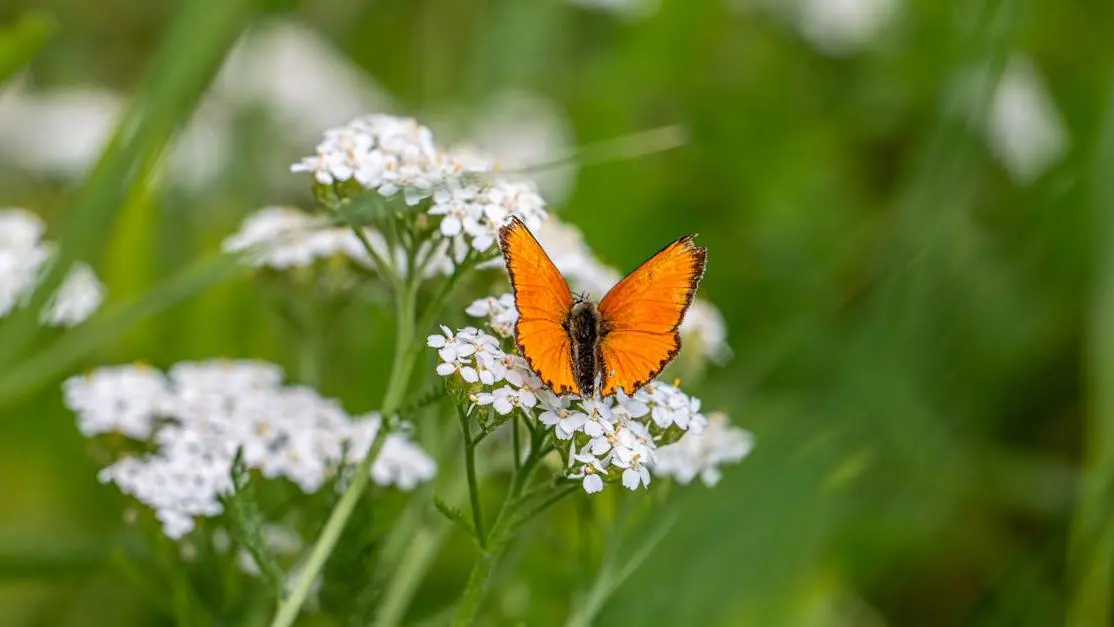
[584, 330]
[577, 346]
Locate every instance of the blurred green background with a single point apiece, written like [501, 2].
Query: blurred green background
[908, 206]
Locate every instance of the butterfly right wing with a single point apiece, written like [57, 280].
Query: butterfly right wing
[641, 314]
[543, 300]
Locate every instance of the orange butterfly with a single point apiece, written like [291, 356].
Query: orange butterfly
[624, 342]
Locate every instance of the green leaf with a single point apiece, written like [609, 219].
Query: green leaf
[427, 397]
[247, 525]
[19, 43]
[183, 67]
[79, 342]
[454, 514]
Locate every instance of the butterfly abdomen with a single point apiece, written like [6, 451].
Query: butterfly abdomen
[583, 327]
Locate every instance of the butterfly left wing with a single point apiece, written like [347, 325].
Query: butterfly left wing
[543, 300]
[640, 315]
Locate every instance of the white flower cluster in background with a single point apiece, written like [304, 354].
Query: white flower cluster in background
[1024, 129]
[629, 9]
[24, 257]
[397, 156]
[616, 438]
[282, 238]
[833, 27]
[284, 68]
[201, 413]
[701, 454]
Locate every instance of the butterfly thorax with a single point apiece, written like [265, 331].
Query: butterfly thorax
[583, 328]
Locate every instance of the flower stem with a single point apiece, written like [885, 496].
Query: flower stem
[396, 388]
[473, 485]
[502, 531]
[325, 544]
[610, 576]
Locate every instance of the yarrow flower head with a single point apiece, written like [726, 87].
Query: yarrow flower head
[602, 440]
[460, 191]
[201, 414]
[24, 257]
[701, 455]
[284, 238]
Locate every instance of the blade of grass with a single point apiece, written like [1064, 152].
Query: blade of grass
[1091, 558]
[74, 345]
[23, 41]
[189, 58]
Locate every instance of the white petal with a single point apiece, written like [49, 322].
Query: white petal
[593, 429]
[526, 398]
[469, 374]
[451, 226]
[592, 484]
[445, 369]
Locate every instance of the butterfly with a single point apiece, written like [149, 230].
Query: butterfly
[576, 346]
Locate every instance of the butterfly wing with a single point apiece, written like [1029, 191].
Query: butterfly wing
[640, 316]
[543, 300]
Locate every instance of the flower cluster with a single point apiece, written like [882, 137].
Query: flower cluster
[283, 238]
[201, 413]
[394, 156]
[23, 259]
[701, 454]
[602, 440]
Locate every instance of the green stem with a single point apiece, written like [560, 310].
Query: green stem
[396, 388]
[476, 588]
[470, 470]
[382, 266]
[608, 579]
[325, 544]
[438, 303]
[502, 532]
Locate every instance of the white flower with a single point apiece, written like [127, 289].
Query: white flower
[839, 27]
[670, 406]
[203, 413]
[470, 354]
[298, 76]
[1025, 130]
[506, 399]
[500, 312]
[19, 274]
[557, 414]
[20, 230]
[702, 454]
[393, 156]
[278, 539]
[124, 399]
[400, 463]
[80, 294]
[598, 417]
[703, 330]
[59, 132]
[587, 467]
[283, 237]
[630, 9]
[22, 256]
